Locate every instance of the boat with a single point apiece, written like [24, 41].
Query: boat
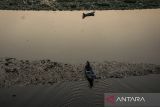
[90, 75]
[88, 14]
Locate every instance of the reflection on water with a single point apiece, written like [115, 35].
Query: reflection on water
[131, 35]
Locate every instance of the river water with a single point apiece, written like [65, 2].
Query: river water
[120, 35]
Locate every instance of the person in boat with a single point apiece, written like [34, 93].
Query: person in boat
[89, 74]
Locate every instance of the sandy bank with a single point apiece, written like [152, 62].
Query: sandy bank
[15, 72]
[78, 4]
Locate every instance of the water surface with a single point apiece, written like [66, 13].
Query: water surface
[130, 35]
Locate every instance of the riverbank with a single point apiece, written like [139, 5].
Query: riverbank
[15, 72]
[78, 4]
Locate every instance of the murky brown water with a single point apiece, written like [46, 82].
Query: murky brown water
[130, 35]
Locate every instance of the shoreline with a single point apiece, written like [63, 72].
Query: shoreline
[15, 72]
[78, 5]
[79, 10]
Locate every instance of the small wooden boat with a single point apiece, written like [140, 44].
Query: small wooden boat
[88, 14]
[90, 75]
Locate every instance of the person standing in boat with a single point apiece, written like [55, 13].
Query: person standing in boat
[88, 66]
[89, 74]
